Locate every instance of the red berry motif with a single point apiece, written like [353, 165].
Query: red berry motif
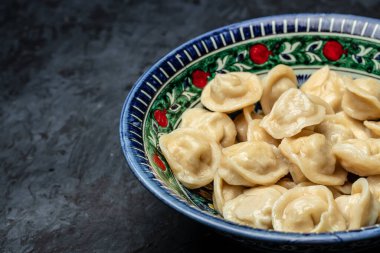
[333, 50]
[259, 53]
[160, 116]
[199, 78]
[159, 162]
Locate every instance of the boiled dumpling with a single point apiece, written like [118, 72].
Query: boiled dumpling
[279, 79]
[361, 99]
[254, 207]
[231, 92]
[215, 124]
[319, 101]
[339, 190]
[257, 162]
[360, 208]
[339, 127]
[307, 209]
[313, 156]
[241, 122]
[374, 126]
[224, 192]
[292, 112]
[361, 157]
[374, 185]
[287, 183]
[327, 85]
[192, 156]
[256, 133]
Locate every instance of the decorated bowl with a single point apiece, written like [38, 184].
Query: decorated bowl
[348, 44]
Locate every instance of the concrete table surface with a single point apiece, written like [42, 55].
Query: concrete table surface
[66, 68]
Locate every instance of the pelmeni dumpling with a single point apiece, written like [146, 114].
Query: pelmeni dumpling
[292, 112]
[374, 126]
[361, 99]
[319, 101]
[360, 208]
[361, 157]
[327, 85]
[231, 92]
[217, 125]
[257, 162]
[339, 127]
[256, 133]
[313, 156]
[254, 207]
[279, 79]
[192, 155]
[224, 192]
[374, 185]
[286, 183]
[307, 209]
[339, 190]
[241, 122]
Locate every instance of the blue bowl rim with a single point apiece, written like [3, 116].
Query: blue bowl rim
[219, 223]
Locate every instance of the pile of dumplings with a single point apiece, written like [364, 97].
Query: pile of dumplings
[308, 162]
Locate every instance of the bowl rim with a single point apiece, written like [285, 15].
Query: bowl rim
[216, 222]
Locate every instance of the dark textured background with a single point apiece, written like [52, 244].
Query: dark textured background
[65, 70]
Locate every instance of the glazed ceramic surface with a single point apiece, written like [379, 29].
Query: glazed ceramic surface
[306, 42]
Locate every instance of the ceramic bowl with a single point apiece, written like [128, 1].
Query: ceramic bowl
[348, 44]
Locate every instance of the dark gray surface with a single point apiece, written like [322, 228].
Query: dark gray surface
[66, 68]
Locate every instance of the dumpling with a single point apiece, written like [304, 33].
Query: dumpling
[361, 157]
[256, 133]
[327, 85]
[286, 183]
[313, 156]
[217, 125]
[360, 208]
[339, 127]
[374, 126]
[339, 190]
[192, 155]
[279, 79]
[257, 162]
[254, 207]
[319, 101]
[374, 185]
[231, 92]
[361, 99]
[292, 112]
[231, 177]
[241, 122]
[307, 209]
[224, 192]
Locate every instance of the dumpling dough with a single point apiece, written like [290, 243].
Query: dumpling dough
[374, 126]
[327, 85]
[292, 112]
[231, 92]
[257, 162]
[192, 155]
[279, 79]
[361, 99]
[287, 183]
[339, 127]
[307, 209]
[217, 125]
[361, 157]
[319, 101]
[224, 192]
[374, 185]
[241, 122]
[361, 208]
[256, 133]
[313, 156]
[254, 207]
